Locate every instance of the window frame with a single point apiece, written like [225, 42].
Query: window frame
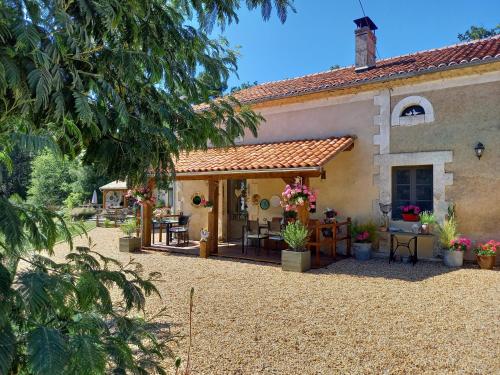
[395, 214]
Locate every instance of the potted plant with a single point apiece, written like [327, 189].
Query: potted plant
[207, 204]
[447, 234]
[129, 243]
[363, 236]
[297, 258]
[454, 256]
[427, 219]
[486, 254]
[204, 234]
[330, 214]
[290, 216]
[410, 212]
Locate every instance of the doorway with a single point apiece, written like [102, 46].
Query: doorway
[237, 209]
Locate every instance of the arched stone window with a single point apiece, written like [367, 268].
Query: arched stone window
[412, 110]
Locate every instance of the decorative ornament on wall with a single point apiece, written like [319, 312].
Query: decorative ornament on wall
[264, 204]
[197, 199]
[275, 201]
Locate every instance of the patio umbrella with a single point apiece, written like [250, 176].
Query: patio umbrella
[94, 197]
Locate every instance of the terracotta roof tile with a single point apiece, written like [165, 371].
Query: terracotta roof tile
[290, 154]
[483, 50]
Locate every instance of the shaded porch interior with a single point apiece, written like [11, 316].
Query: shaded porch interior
[225, 241]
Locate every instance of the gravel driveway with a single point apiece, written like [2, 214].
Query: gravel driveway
[353, 317]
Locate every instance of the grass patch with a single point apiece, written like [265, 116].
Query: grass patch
[78, 228]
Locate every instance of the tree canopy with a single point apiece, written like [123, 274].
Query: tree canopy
[114, 82]
[478, 32]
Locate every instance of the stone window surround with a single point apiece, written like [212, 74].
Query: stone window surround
[398, 120]
[385, 160]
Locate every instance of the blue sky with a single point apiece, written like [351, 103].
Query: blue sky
[321, 33]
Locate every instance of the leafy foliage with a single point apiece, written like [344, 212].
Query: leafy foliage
[114, 82]
[448, 231]
[129, 227]
[366, 232]
[478, 32]
[118, 79]
[296, 236]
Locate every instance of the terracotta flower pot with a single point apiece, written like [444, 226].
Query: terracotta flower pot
[410, 217]
[486, 262]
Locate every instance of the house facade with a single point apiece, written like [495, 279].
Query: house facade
[412, 124]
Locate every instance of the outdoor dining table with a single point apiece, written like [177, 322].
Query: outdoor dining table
[169, 223]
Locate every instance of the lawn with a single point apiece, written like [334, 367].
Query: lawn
[78, 228]
[351, 317]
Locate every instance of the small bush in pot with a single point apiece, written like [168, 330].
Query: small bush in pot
[129, 243]
[427, 219]
[363, 235]
[410, 212]
[296, 258]
[454, 255]
[486, 254]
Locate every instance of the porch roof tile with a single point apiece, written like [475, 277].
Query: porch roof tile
[279, 155]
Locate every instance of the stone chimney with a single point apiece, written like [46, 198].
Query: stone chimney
[365, 44]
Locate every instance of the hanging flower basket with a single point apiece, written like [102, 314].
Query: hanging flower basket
[143, 195]
[300, 199]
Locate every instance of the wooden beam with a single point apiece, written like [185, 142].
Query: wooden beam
[213, 217]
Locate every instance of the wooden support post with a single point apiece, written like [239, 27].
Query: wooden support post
[104, 192]
[213, 216]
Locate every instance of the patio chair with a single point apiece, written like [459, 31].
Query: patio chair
[275, 232]
[252, 231]
[181, 230]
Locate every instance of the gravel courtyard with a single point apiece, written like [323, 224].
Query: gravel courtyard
[352, 317]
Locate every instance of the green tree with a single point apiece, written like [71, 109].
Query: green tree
[17, 181]
[51, 179]
[478, 32]
[243, 86]
[114, 81]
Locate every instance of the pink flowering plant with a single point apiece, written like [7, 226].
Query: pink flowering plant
[410, 209]
[363, 233]
[298, 195]
[206, 203]
[142, 195]
[488, 249]
[460, 244]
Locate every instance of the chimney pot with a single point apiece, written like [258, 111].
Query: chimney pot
[365, 44]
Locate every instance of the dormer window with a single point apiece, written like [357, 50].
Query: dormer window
[412, 110]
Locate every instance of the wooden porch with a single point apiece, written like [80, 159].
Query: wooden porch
[233, 250]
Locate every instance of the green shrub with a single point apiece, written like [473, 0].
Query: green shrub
[296, 236]
[427, 217]
[366, 232]
[81, 213]
[73, 200]
[129, 227]
[107, 223]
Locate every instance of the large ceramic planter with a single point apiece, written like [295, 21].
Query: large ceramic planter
[453, 258]
[295, 261]
[129, 244]
[410, 217]
[486, 262]
[362, 251]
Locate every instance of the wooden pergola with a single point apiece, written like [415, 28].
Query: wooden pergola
[260, 161]
[118, 186]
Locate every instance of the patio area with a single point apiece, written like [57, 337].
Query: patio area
[351, 317]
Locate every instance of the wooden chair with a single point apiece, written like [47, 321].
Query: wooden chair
[275, 232]
[252, 231]
[181, 230]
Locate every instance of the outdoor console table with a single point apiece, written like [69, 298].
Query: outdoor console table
[406, 244]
